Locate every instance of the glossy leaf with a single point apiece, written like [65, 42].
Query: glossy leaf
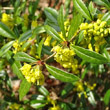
[61, 75]
[92, 9]
[39, 49]
[51, 14]
[24, 88]
[15, 65]
[21, 56]
[82, 9]
[106, 17]
[107, 97]
[105, 3]
[5, 48]
[43, 90]
[6, 32]
[16, 69]
[52, 32]
[75, 23]
[38, 30]
[80, 37]
[61, 21]
[66, 90]
[91, 98]
[89, 56]
[25, 36]
[38, 105]
[67, 7]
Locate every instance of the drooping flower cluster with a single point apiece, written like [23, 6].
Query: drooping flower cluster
[7, 19]
[14, 106]
[80, 88]
[54, 103]
[33, 74]
[49, 41]
[25, 22]
[66, 58]
[98, 31]
[67, 27]
[55, 108]
[17, 46]
[34, 24]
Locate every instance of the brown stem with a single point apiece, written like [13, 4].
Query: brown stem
[7, 8]
[49, 57]
[74, 36]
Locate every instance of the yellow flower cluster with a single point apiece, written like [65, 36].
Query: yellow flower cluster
[98, 30]
[33, 74]
[67, 27]
[17, 46]
[34, 24]
[48, 41]
[79, 87]
[55, 108]
[53, 102]
[26, 20]
[7, 20]
[66, 58]
[15, 106]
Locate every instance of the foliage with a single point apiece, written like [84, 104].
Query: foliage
[75, 52]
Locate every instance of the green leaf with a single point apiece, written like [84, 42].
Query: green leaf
[107, 55]
[25, 36]
[105, 3]
[21, 56]
[89, 56]
[52, 32]
[91, 98]
[6, 32]
[43, 90]
[67, 7]
[39, 49]
[51, 14]
[80, 37]
[82, 9]
[92, 9]
[61, 75]
[66, 90]
[53, 25]
[107, 97]
[38, 105]
[38, 30]
[106, 17]
[15, 65]
[16, 69]
[65, 106]
[75, 23]
[5, 48]
[61, 21]
[24, 88]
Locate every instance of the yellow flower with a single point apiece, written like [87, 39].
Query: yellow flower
[14, 106]
[33, 75]
[17, 46]
[7, 20]
[26, 20]
[34, 24]
[55, 108]
[47, 41]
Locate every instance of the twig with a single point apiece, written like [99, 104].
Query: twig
[74, 36]
[7, 8]
[49, 57]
